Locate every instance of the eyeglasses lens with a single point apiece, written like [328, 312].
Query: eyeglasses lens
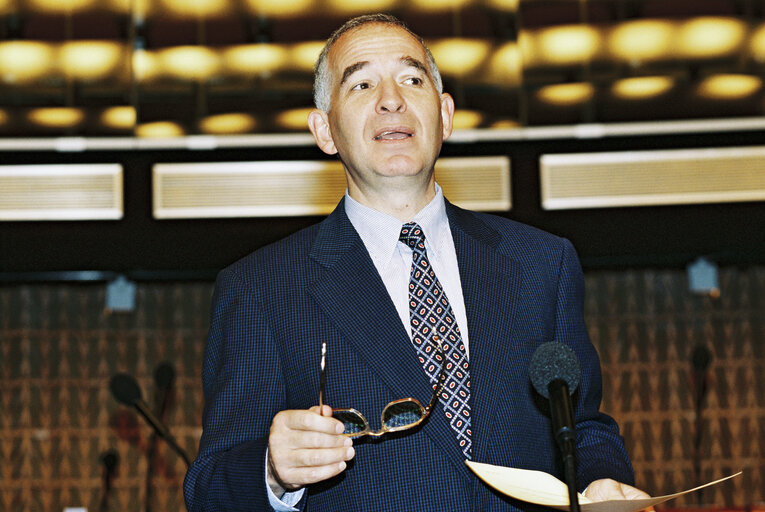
[401, 414]
[353, 421]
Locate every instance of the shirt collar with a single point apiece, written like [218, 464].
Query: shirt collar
[380, 231]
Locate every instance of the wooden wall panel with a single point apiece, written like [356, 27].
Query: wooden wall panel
[58, 350]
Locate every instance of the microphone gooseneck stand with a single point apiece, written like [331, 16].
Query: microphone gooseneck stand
[555, 373]
[700, 359]
[110, 460]
[565, 435]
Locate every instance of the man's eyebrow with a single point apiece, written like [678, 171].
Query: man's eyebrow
[352, 69]
[412, 62]
[406, 60]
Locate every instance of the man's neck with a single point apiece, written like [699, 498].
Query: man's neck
[401, 202]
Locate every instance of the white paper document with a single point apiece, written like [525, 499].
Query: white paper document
[544, 489]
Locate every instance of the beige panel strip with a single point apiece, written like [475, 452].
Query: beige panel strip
[61, 192]
[643, 178]
[295, 188]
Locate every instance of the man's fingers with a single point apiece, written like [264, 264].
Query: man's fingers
[608, 489]
[305, 447]
[297, 468]
[310, 475]
[309, 420]
[321, 457]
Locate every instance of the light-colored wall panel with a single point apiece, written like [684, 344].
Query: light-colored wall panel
[61, 192]
[662, 177]
[294, 188]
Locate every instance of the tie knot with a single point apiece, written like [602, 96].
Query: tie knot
[412, 235]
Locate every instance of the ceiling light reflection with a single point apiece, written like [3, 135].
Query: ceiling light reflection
[278, 8]
[359, 6]
[729, 86]
[146, 66]
[459, 57]
[566, 94]
[757, 43]
[7, 6]
[120, 118]
[506, 65]
[642, 87]
[138, 9]
[24, 61]
[197, 8]
[60, 6]
[504, 5]
[223, 124]
[294, 119]
[466, 119]
[254, 58]
[708, 37]
[439, 5]
[563, 45]
[505, 124]
[159, 130]
[56, 117]
[190, 62]
[91, 60]
[642, 40]
[303, 56]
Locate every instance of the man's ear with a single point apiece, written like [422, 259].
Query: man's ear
[447, 115]
[318, 123]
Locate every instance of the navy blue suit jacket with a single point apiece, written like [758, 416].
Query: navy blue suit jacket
[273, 309]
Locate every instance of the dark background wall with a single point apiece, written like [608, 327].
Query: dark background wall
[667, 236]
[58, 350]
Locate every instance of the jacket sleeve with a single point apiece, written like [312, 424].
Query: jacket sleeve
[243, 390]
[600, 448]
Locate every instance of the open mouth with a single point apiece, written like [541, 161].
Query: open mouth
[393, 135]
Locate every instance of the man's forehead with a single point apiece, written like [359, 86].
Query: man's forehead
[372, 32]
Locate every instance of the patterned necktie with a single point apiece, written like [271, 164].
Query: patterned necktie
[433, 322]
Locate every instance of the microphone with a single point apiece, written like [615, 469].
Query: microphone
[164, 376]
[555, 374]
[110, 460]
[125, 389]
[701, 357]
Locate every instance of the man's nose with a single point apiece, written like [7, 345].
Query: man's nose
[390, 99]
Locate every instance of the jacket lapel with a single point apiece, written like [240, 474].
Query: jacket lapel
[490, 283]
[363, 311]
[350, 291]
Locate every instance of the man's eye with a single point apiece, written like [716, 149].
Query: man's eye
[358, 87]
[414, 80]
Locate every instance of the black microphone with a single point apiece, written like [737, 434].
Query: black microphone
[164, 376]
[110, 460]
[125, 389]
[701, 357]
[555, 374]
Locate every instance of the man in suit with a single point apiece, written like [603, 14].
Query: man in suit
[350, 284]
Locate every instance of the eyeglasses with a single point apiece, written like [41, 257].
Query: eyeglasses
[398, 415]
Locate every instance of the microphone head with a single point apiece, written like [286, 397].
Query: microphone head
[164, 376]
[110, 459]
[554, 361]
[701, 357]
[125, 389]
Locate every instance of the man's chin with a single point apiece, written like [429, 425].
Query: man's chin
[402, 166]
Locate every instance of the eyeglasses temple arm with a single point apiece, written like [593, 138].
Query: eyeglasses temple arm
[322, 377]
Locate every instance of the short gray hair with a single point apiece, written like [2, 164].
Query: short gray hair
[322, 90]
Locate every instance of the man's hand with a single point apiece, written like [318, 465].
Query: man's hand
[305, 447]
[607, 489]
